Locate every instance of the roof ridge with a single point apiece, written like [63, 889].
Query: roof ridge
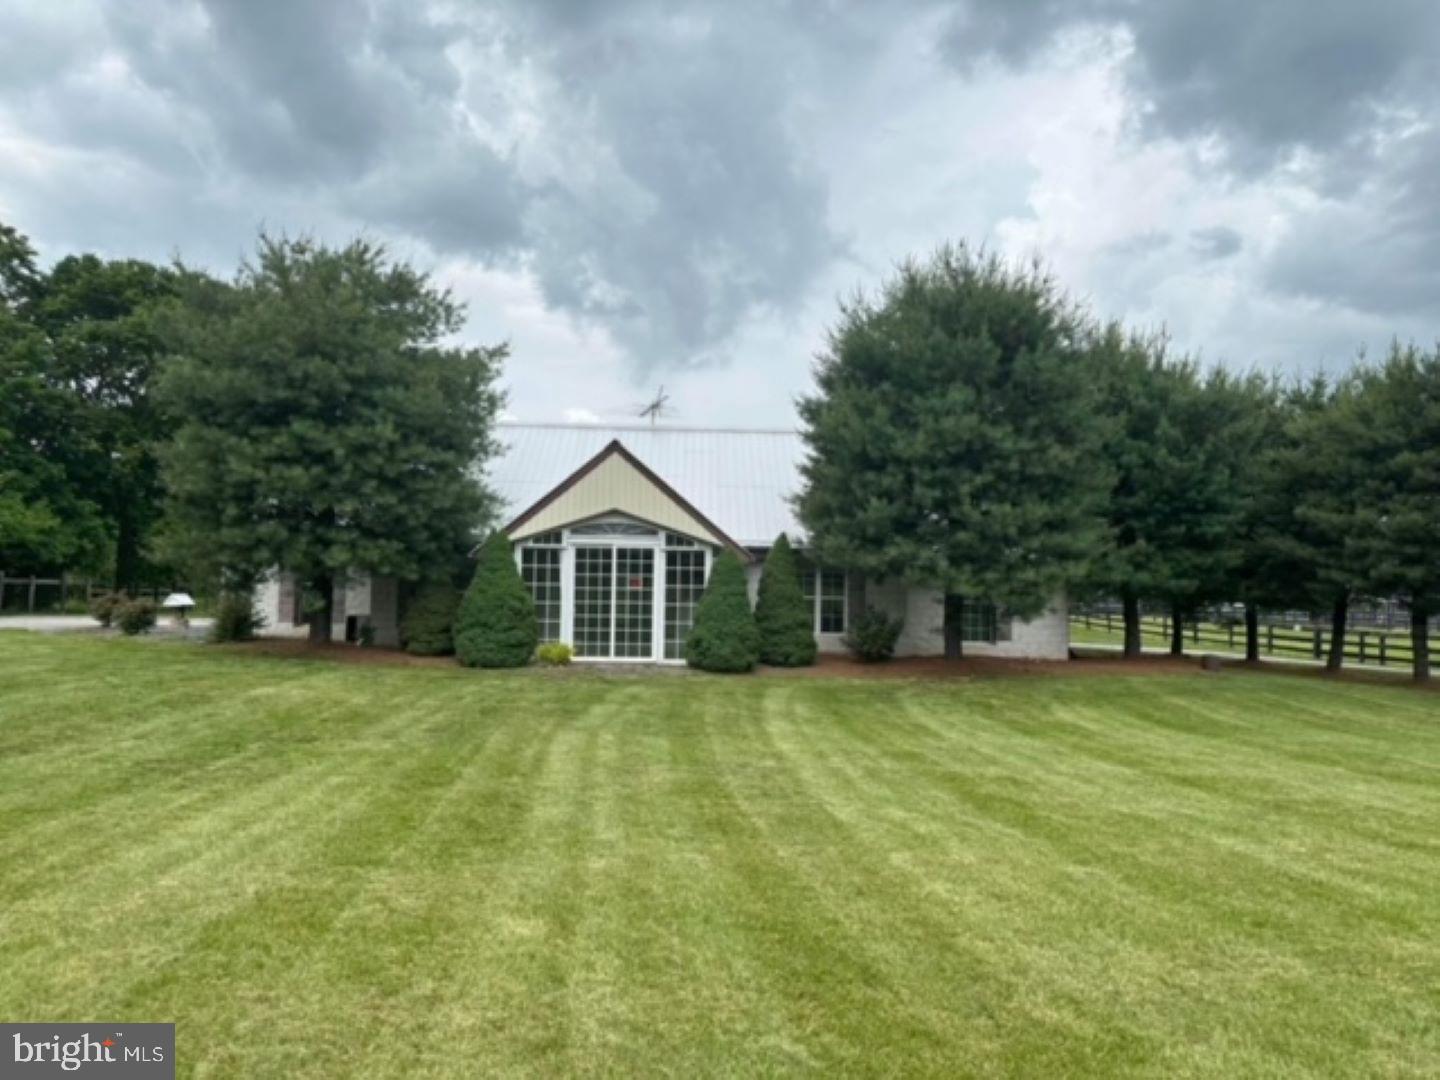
[677, 429]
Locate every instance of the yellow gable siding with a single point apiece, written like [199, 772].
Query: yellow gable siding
[615, 485]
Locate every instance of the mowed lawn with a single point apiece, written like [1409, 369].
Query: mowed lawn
[324, 870]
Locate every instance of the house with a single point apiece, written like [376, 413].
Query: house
[615, 529]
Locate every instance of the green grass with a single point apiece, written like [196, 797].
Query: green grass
[324, 870]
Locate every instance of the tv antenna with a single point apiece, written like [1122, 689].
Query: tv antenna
[656, 408]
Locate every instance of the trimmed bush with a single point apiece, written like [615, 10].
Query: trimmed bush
[785, 618]
[135, 617]
[555, 653]
[724, 637]
[428, 628]
[235, 618]
[496, 625]
[873, 635]
[104, 606]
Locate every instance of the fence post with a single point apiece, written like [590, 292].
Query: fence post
[1319, 644]
[1383, 638]
[30, 603]
[1270, 638]
[2, 590]
[1195, 629]
[1362, 647]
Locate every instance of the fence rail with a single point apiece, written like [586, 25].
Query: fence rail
[1379, 647]
[31, 593]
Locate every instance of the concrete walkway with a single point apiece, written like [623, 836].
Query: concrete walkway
[69, 624]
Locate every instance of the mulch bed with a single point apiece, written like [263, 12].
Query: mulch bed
[1085, 663]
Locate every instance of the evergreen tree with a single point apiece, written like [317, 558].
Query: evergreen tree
[1176, 448]
[785, 618]
[428, 628]
[724, 637]
[496, 626]
[323, 428]
[954, 436]
[1389, 420]
[1296, 539]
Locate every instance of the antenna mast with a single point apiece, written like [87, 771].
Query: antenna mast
[656, 408]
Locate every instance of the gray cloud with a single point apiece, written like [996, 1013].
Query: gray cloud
[1268, 78]
[668, 172]
[664, 195]
[1216, 242]
[1342, 96]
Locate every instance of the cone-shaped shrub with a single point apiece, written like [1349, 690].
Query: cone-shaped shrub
[785, 618]
[496, 625]
[428, 628]
[725, 637]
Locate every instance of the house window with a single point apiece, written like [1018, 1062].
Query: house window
[825, 591]
[978, 622]
[684, 582]
[612, 528]
[540, 570]
[675, 540]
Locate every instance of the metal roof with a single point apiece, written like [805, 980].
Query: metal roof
[741, 480]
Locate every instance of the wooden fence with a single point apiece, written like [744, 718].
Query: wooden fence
[32, 593]
[1380, 647]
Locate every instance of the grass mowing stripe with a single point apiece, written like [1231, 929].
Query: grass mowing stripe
[326, 869]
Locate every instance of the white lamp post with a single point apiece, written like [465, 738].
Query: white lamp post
[180, 603]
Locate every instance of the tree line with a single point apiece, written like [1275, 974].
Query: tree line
[973, 428]
[308, 413]
[970, 428]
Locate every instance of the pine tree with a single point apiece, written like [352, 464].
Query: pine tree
[1295, 544]
[954, 436]
[1177, 446]
[325, 427]
[1389, 421]
[724, 637]
[428, 628]
[785, 618]
[496, 626]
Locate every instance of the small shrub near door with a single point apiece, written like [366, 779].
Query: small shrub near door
[428, 628]
[235, 618]
[873, 635]
[496, 626]
[785, 618]
[724, 637]
[555, 653]
[136, 617]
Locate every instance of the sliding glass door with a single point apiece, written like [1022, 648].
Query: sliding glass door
[614, 602]
[594, 600]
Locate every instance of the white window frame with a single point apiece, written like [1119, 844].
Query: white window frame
[570, 541]
[815, 572]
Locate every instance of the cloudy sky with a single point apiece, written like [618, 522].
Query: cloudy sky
[643, 193]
